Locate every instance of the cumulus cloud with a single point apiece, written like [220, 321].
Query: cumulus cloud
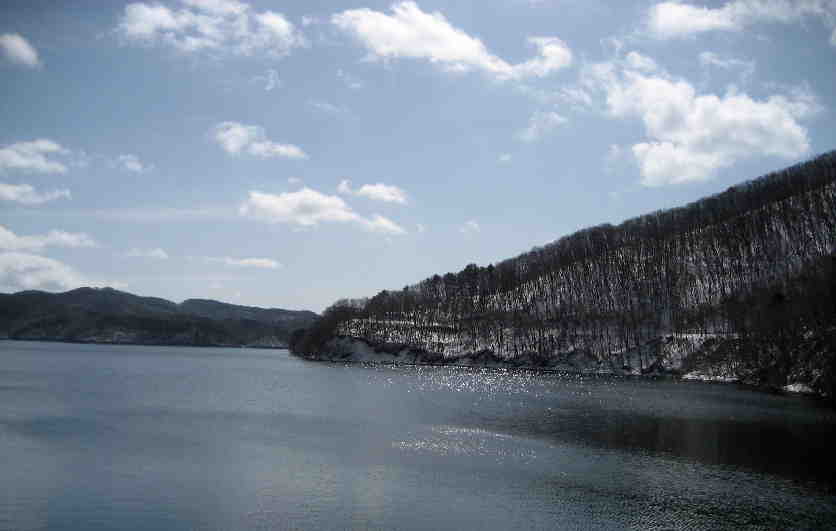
[24, 271]
[309, 208]
[470, 227]
[236, 138]
[691, 135]
[9, 241]
[505, 157]
[674, 19]
[27, 195]
[412, 33]
[379, 192]
[132, 163]
[258, 263]
[17, 50]
[540, 124]
[33, 156]
[155, 253]
[210, 25]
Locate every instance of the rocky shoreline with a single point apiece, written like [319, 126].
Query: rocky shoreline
[352, 350]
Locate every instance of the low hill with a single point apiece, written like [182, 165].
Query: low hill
[106, 315]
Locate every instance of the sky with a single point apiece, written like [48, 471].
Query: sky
[288, 154]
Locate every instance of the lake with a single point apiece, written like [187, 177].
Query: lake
[96, 437]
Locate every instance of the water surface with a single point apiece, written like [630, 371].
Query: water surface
[97, 437]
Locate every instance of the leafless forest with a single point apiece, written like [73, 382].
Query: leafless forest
[750, 271]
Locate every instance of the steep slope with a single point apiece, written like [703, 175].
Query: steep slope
[751, 269]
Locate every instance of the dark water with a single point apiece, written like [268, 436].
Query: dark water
[102, 437]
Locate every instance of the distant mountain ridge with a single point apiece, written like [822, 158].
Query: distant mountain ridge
[106, 315]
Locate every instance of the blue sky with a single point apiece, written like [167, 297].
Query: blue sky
[288, 154]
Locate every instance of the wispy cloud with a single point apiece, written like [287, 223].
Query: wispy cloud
[33, 156]
[155, 253]
[349, 80]
[26, 194]
[9, 241]
[132, 164]
[328, 108]
[540, 124]
[257, 263]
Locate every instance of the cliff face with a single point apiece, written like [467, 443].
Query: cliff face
[111, 316]
[751, 268]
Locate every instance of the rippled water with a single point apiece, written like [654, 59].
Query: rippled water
[121, 437]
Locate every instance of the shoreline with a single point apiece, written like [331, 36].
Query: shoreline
[137, 344]
[348, 350]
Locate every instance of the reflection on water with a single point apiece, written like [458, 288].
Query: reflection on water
[110, 437]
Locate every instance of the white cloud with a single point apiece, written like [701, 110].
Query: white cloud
[420, 228]
[23, 271]
[674, 19]
[294, 180]
[236, 138]
[9, 241]
[379, 192]
[382, 192]
[505, 157]
[540, 124]
[692, 135]
[156, 253]
[16, 49]
[259, 263]
[411, 33]
[132, 163]
[309, 208]
[32, 156]
[27, 195]
[210, 25]
[470, 227]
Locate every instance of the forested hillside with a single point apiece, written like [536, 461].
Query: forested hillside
[110, 316]
[748, 272]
